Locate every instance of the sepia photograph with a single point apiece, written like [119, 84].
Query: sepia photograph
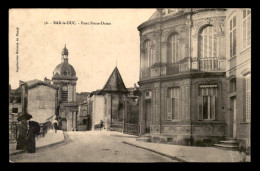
[129, 85]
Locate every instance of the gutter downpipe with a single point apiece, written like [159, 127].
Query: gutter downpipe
[191, 138]
[160, 32]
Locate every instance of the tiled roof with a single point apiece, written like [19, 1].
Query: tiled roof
[35, 82]
[115, 83]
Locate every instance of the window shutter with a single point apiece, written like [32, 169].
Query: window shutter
[169, 52]
[209, 106]
[169, 109]
[177, 108]
[248, 30]
[213, 107]
[200, 103]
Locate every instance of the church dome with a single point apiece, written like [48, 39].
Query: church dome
[65, 70]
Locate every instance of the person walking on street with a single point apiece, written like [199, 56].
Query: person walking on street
[34, 128]
[101, 124]
[55, 125]
[22, 131]
[22, 135]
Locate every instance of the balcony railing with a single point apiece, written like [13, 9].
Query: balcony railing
[211, 64]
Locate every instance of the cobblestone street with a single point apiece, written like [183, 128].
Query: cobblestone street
[93, 146]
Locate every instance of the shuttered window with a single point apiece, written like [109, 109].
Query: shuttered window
[173, 48]
[208, 42]
[147, 54]
[246, 31]
[248, 98]
[232, 37]
[173, 104]
[207, 102]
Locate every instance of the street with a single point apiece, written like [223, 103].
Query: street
[93, 146]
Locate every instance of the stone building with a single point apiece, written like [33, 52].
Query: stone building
[15, 104]
[64, 77]
[238, 72]
[36, 97]
[83, 118]
[107, 104]
[114, 105]
[15, 107]
[183, 76]
[42, 99]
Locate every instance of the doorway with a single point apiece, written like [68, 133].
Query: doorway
[233, 104]
[147, 115]
[64, 124]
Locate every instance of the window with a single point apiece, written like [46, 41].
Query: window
[232, 85]
[173, 103]
[148, 94]
[248, 98]
[207, 101]
[64, 93]
[18, 99]
[14, 110]
[173, 48]
[208, 42]
[84, 121]
[246, 28]
[147, 58]
[232, 37]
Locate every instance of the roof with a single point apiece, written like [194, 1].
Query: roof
[115, 83]
[171, 13]
[35, 82]
[64, 70]
[96, 92]
[81, 97]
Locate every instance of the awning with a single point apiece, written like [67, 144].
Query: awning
[208, 86]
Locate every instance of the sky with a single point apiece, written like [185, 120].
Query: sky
[36, 43]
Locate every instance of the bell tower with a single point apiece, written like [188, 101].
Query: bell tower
[64, 76]
[64, 54]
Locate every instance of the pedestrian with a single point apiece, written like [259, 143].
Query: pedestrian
[101, 124]
[22, 135]
[55, 125]
[34, 128]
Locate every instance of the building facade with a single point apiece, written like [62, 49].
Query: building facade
[115, 105]
[15, 108]
[183, 76]
[42, 100]
[238, 72]
[83, 117]
[15, 104]
[64, 77]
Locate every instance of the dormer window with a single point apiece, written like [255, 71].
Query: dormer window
[65, 73]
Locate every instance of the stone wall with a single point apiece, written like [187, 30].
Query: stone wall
[41, 102]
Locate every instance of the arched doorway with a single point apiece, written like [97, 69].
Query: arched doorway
[64, 124]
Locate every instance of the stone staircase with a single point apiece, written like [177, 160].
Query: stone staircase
[229, 144]
[144, 138]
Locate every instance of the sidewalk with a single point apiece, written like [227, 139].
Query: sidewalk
[51, 138]
[188, 153]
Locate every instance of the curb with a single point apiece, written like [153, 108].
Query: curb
[41, 147]
[163, 154]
